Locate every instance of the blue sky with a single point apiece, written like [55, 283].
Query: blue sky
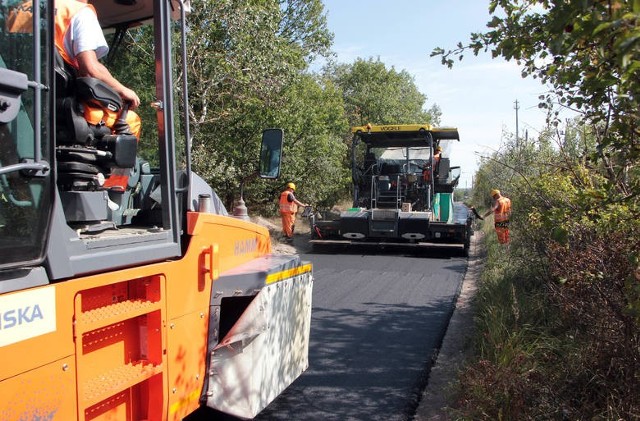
[477, 96]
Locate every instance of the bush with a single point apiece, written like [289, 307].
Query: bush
[597, 296]
[558, 312]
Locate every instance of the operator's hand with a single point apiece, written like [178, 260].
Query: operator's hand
[128, 95]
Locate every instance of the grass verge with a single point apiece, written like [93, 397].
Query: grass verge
[530, 361]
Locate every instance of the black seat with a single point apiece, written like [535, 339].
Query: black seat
[86, 153]
[390, 169]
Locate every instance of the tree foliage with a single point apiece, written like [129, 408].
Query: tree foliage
[374, 94]
[304, 23]
[574, 254]
[313, 115]
[248, 69]
[243, 57]
[575, 196]
[588, 52]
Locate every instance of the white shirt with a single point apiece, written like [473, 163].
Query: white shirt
[85, 34]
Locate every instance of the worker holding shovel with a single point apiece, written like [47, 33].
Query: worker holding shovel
[288, 209]
[501, 210]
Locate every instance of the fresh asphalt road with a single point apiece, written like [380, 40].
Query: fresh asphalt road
[378, 319]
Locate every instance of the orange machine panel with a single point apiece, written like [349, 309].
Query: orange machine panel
[120, 353]
[124, 345]
[45, 393]
[187, 352]
[239, 241]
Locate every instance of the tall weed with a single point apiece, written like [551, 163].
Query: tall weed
[557, 333]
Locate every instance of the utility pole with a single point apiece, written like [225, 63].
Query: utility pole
[517, 107]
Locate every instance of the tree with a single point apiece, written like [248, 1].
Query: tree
[243, 56]
[575, 205]
[374, 94]
[304, 23]
[314, 122]
[589, 53]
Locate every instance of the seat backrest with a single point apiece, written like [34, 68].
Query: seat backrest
[390, 169]
[443, 169]
[72, 128]
[65, 77]
[98, 94]
[73, 93]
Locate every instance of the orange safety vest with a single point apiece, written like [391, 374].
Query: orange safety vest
[20, 19]
[502, 210]
[285, 205]
[65, 11]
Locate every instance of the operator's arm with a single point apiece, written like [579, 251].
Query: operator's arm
[292, 198]
[89, 65]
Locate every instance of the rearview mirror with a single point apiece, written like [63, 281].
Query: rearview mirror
[271, 153]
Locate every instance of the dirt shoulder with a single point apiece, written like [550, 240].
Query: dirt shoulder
[278, 244]
[456, 343]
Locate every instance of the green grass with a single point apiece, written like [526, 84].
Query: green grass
[520, 350]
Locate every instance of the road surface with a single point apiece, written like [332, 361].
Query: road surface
[378, 319]
[377, 322]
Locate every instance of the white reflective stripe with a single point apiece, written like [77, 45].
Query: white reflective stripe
[287, 207]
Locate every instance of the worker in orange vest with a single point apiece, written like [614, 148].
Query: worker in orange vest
[437, 155]
[436, 160]
[501, 210]
[288, 209]
[80, 42]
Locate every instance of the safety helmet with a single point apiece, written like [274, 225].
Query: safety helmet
[495, 192]
[438, 148]
[291, 186]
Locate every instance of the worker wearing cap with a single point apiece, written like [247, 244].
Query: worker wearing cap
[288, 209]
[501, 212]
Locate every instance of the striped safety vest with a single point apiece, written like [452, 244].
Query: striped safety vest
[285, 205]
[503, 209]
